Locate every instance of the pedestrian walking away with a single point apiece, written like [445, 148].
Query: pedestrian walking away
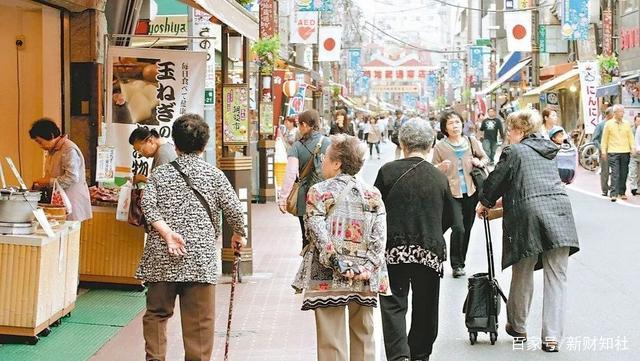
[634, 165]
[491, 126]
[604, 163]
[181, 202]
[373, 139]
[343, 268]
[300, 153]
[538, 226]
[617, 145]
[456, 155]
[416, 249]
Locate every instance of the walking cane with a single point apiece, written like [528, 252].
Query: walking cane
[234, 278]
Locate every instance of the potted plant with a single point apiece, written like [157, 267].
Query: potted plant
[608, 67]
[268, 52]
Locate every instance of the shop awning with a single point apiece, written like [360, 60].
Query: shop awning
[608, 90]
[505, 78]
[510, 61]
[347, 101]
[231, 13]
[630, 77]
[561, 80]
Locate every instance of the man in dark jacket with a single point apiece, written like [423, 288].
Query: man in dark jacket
[604, 162]
[538, 226]
[491, 126]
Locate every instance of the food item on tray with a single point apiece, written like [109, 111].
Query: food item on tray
[101, 194]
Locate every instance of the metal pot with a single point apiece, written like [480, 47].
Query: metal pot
[17, 206]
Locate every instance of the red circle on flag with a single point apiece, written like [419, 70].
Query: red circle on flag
[329, 44]
[519, 32]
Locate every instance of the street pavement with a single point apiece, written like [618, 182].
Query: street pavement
[601, 317]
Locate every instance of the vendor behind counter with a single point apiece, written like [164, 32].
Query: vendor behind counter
[149, 144]
[64, 163]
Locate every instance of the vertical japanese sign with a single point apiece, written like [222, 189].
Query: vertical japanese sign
[314, 5]
[235, 114]
[202, 26]
[268, 20]
[476, 56]
[105, 164]
[542, 38]
[432, 85]
[266, 118]
[454, 72]
[607, 39]
[304, 27]
[151, 88]
[575, 20]
[589, 82]
[296, 102]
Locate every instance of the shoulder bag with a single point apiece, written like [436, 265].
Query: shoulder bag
[199, 195]
[478, 174]
[292, 199]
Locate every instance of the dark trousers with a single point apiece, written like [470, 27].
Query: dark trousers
[619, 164]
[464, 213]
[305, 241]
[604, 176]
[197, 315]
[371, 148]
[490, 147]
[425, 288]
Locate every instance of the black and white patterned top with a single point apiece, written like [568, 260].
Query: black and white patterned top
[167, 197]
[412, 253]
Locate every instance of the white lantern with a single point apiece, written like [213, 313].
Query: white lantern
[290, 87]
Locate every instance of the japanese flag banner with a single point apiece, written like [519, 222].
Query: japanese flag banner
[329, 43]
[517, 25]
[149, 88]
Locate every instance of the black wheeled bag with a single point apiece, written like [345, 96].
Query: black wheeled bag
[482, 305]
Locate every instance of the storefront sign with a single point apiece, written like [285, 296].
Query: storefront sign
[201, 26]
[175, 25]
[235, 114]
[266, 118]
[575, 20]
[268, 19]
[105, 164]
[150, 87]
[454, 73]
[629, 37]
[631, 93]
[607, 40]
[304, 27]
[589, 82]
[542, 38]
[396, 88]
[296, 102]
[314, 5]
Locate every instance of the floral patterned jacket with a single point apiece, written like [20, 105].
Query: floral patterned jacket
[345, 221]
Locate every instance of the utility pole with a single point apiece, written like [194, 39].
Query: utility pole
[535, 45]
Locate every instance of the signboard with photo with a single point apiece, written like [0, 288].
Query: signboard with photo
[150, 88]
[235, 114]
[631, 93]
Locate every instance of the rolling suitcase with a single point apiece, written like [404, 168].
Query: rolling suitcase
[482, 305]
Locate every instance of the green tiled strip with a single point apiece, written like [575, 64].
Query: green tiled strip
[98, 316]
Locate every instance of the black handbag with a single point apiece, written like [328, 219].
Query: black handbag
[478, 174]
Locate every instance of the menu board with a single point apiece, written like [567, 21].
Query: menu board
[266, 118]
[235, 114]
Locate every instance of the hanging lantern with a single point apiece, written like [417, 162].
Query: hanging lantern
[290, 87]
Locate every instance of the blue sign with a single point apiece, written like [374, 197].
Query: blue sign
[432, 84]
[476, 61]
[410, 100]
[454, 72]
[355, 58]
[575, 20]
[314, 5]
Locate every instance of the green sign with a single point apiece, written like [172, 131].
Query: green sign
[483, 42]
[542, 38]
[208, 96]
[266, 118]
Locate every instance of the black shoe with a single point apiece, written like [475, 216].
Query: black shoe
[550, 346]
[605, 194]
[518, 336]
[634, 192]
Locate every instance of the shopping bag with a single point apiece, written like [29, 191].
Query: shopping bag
[136, 217]
[59, 197]
[124, 200]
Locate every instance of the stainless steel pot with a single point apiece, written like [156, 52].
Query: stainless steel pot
[17, 206]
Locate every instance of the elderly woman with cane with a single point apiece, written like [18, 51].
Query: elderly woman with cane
[343, 269]
[538, 226]
[182, 202]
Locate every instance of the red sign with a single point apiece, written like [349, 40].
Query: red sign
[629, 38]
[607, 40]
[268, 19]
[276, 87]
[377, 75]
[422, 74]
[388, 74]
[411, 73]
[399, 74]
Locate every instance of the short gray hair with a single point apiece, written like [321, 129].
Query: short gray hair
[416, 134]
[617, 107]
